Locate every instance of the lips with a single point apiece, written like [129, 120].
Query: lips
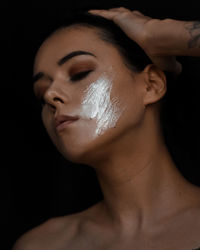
[62, 121]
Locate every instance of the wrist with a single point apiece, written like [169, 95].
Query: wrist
[168, 38]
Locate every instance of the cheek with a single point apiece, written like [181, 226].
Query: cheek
[101, 107]
[44, 116]
[98, 105]
[48, 123]
[130, 95]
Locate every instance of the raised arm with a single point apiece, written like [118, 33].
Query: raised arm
[162, 40]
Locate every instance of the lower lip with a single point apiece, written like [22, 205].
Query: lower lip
[64, 125]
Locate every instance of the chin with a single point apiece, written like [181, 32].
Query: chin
[82, 143]
[82, 154]
[85, 149]
[76, 155]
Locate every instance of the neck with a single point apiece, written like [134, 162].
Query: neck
[141, 183]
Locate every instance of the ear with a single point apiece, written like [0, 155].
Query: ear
[155, 84]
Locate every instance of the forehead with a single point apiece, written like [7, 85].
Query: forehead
[70, 39]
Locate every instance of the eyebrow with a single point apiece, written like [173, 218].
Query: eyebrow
[63, 60]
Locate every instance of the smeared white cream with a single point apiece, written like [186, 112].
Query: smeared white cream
[97, 104]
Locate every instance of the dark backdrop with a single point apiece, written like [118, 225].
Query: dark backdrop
[36, 181]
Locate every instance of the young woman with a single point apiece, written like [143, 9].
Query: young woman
[102, 78]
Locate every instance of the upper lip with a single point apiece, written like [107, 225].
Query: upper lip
[63, 118]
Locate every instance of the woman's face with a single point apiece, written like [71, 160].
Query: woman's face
[92, 95]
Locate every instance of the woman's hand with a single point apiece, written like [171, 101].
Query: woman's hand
[149, 33]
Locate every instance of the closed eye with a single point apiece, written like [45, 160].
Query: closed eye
[80, 76]
[76, 77]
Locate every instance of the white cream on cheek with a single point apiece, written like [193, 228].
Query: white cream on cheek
[97, 104]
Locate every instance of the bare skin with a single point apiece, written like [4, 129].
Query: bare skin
[147, 203]
[162, 40]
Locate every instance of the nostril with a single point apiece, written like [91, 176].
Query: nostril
[51, 106]
[57, 99]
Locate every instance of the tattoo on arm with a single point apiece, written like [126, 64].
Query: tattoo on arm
[194, 31]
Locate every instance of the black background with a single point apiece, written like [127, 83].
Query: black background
[36, 181]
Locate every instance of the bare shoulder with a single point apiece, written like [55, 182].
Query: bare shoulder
[189, 216]
[52, 234]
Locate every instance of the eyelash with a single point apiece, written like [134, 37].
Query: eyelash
[79, 76]
[76, 77]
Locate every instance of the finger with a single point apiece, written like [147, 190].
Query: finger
[104, 13]
[120, 16]
[119, 9]
[136, 12]
[139, 14]
[95, 10]
[167, 63]
[178, 68]
[111, 13]
[131, 24]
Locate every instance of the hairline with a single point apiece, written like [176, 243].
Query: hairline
[102, 35]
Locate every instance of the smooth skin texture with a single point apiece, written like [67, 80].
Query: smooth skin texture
[147, 203]
[162, 40]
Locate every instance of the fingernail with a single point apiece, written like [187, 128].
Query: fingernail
[93, 10]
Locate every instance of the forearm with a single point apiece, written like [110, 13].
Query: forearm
[179, 38]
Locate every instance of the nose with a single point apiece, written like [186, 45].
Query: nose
[54, 96]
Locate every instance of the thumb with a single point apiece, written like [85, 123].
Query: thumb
[167, 63]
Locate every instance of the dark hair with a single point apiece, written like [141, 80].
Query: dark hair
[133, 55]
[172, 105]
